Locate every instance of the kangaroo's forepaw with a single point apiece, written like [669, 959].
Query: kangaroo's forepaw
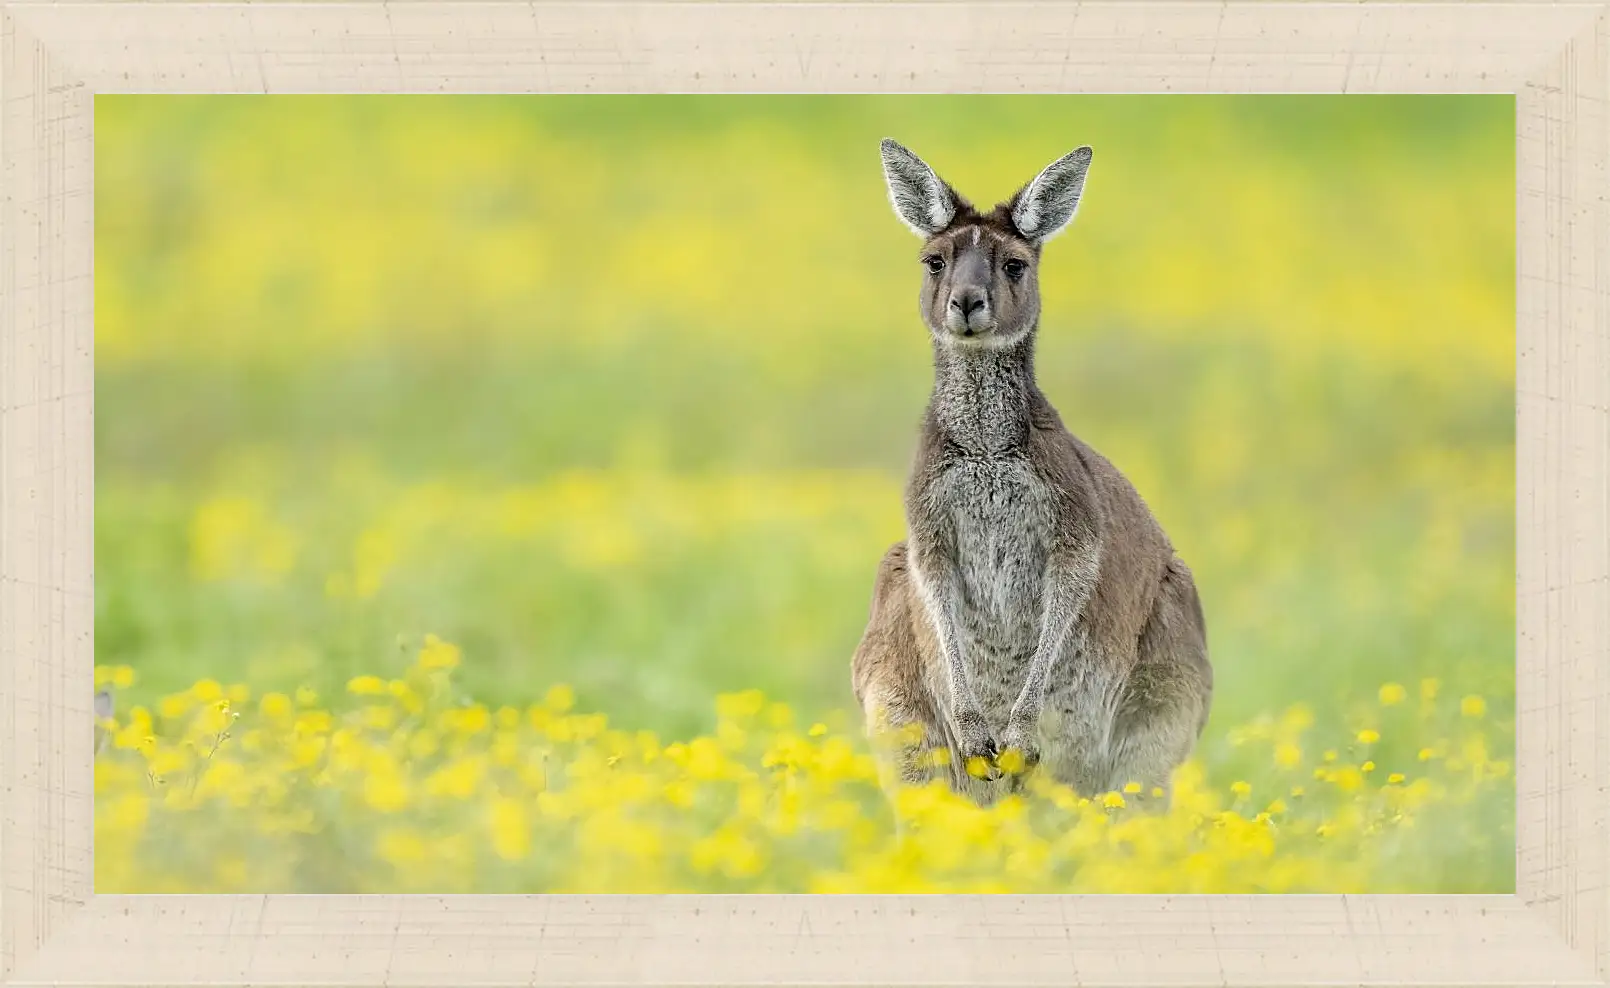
[976, 746]
[1020, 747]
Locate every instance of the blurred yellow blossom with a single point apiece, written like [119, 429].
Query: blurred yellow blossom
[566, 801]
[437, 654]
[366, 685]
[559, 698]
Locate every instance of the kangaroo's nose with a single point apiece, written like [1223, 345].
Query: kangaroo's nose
[967, 302]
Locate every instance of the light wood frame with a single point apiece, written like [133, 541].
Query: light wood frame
[1555, 58]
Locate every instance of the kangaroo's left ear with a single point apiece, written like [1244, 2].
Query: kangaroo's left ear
[920, 197]
[1044, 207]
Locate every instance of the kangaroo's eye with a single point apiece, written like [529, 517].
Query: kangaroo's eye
[1014, 268]
[935, 264]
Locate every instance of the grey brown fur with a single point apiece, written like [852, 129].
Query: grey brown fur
[1037, 605]
[104, 709]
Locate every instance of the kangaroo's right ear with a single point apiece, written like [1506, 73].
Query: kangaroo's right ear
[1046, 205]
[921, 198]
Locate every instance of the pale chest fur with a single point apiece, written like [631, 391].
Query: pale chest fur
[999, 517]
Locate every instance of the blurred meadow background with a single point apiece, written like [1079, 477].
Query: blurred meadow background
[489, 490]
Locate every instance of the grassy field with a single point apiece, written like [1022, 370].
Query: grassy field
[615, 395]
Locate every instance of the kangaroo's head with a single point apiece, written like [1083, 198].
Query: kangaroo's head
[980, 285]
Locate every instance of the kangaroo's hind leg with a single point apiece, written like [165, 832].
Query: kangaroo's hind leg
[888, 675]
[1165, 701]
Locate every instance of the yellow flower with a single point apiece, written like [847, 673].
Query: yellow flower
[741, 706]
[1472, 706]
[129, 811]
[1112, 801]
[511, 834]
[1298, 718]
[1392, 694]
[817, 730]
[422, 744]
[274, 706]
[366, 685]
[1368, 736]
[1287, 755]
[136, 735]
[437, 654]
[779, 716]
[1241, 788]
[305, 752]
[167, 761]
[313, 722]
[121, 677]
[306, 696]
[1348, 778]
[386, 791]
[1367, 767]
[213, 719]
[207, 691]
[468, 720]
[1132, 788]
[726, 851]
[1278, 806]
[559, 698]
[401, 848]
[1426, 754]
[406, 697]
[458, 779]
[380, 718]
[1394, 778]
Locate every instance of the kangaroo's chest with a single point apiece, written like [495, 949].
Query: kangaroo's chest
[1000, 518]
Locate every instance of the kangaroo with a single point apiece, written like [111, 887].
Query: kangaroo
[1036, 618]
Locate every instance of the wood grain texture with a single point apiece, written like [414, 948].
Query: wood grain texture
[1554, 57]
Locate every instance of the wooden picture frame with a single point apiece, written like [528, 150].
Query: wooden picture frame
[1555, 58]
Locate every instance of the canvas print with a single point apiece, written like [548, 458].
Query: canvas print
[809, 494]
